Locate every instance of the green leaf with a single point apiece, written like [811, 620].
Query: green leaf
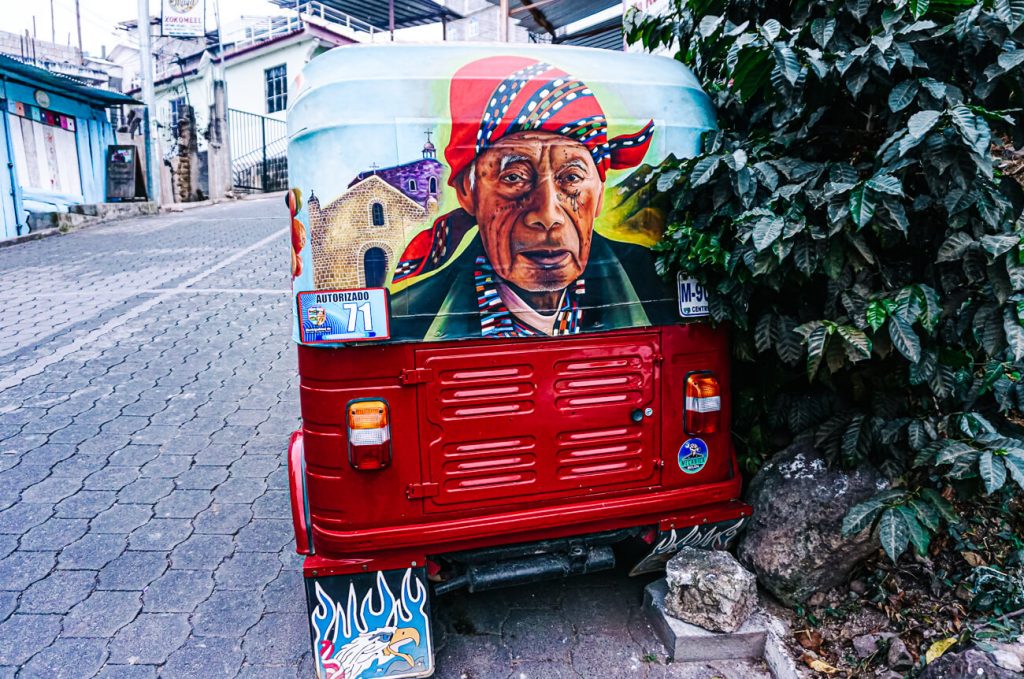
[1014, 334]
[876, 314]
[893, 533]
[766, 231]
[904, 339]
[955, 246]
[929, 317]
[862, 205]
[822, 31]
[704, 170]
[998, 244]
[785, 59]
[926, 514]
[1015, 465]
[952, 451]
[816, 350]
[918, 535]
[856, 340]
[921, 123]
[942, 506]
[903, 94]
[861, 516]
[885, 183]
[750, 73]
[1011, 12]
[992, 471]
[918, 7]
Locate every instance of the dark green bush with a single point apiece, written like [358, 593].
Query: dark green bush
[855, 221]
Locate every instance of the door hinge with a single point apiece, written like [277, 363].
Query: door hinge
[415, 491]
[416, 376]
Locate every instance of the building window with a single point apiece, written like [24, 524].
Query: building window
[412, 185]
[276, 88]
[433, 185]
[177, 111]
[375, 267]
[377, 211]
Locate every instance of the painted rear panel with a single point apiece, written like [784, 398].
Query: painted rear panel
[461, 191]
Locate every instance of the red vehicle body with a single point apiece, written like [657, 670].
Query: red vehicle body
[496, 453]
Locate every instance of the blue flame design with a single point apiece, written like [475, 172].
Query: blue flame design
[379, 608]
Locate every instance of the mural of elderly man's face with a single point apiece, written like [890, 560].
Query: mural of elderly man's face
[535, 196]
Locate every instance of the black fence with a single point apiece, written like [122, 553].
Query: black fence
[259, 152]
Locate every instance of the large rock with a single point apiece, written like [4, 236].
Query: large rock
[794, 542]
[971, 663]
[709, 589]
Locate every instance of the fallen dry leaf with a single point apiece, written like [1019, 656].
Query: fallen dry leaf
[936, 650]
[809, 639]
[973, 559]
[818, 665]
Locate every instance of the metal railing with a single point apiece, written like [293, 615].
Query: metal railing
[259, 148]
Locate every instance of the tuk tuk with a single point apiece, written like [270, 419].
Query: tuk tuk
[497, 387]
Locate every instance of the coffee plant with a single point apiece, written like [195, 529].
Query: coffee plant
[856, 219]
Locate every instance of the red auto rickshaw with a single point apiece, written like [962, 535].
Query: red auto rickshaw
[497, 387]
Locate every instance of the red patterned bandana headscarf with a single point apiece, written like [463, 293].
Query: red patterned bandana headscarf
[494, 97]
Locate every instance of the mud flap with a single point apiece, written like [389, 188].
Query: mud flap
[705, 536]
[371, 625]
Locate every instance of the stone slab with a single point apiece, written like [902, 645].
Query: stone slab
[689, 643]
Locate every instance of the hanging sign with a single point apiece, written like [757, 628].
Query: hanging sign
[183, 18]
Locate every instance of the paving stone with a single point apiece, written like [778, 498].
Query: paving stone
[155, 434]
[185, 445]
[54, 534]
[58, 592]
[121, 519]
[219, 455]
[85, 504]
[125, 424]
[202, 552]
[19, 519]
[102, 614]
[166, 466]
[247, 571]
[111, 478]
[202, 478]
[184, 504]
[177, 591]
[104, 445]
[286, 594]
[49, 454]
[20, 477]
[134, 455]
[258, 466]
[26, 635]
[265, 535]
[8, 543]
[8, 602]
[473, 656]
[20, 569]
[149, 639]
[127, 672]
[51, 490]
[278, 639]
[205, 657]
[224, 519]
[240, 490]
[278, 480]
[93, 551]
[274, 504]
[159, 535]
[147, 490]
[132, 571]
[67, 659]
[80, 466]
[75, 433]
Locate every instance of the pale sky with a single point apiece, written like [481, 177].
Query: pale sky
[100, 18]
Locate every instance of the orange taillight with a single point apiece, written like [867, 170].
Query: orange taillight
[703, 404]
[369, 434]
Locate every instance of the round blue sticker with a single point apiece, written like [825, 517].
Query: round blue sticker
[693, 455]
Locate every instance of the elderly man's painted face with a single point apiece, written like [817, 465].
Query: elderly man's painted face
[535, 196]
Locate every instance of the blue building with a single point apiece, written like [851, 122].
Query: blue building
[54, 133]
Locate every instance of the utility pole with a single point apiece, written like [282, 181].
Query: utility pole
[391, 18]
[149, 99]
[78, 22]
[53, 25]
[503, 21]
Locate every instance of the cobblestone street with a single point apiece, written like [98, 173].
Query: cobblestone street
[147, 390]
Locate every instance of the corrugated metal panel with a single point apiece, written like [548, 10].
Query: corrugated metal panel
[375, 12]
[533, 15]
[606, 35]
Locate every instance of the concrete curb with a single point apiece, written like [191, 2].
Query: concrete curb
[762, 637]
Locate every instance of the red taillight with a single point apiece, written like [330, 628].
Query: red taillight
[703, 403]
[369, 434]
